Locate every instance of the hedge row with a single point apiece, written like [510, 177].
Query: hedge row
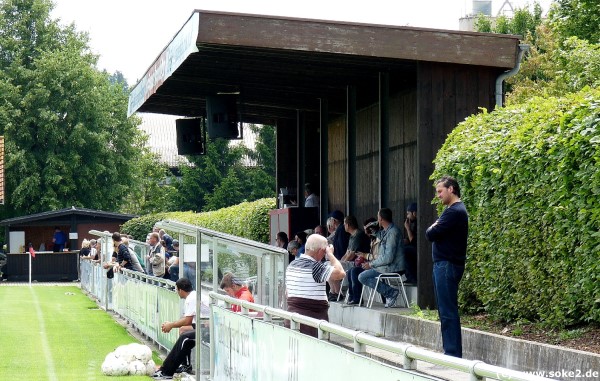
[248, 219]
[530, 178]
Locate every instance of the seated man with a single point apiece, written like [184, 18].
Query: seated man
[358, 245]
[184, 289]
[178, 360]
[389, 260]
[235, 288]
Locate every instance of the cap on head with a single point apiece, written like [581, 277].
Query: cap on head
[338, 215]
[412, 207]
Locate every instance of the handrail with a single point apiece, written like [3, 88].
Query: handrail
[477, 369]
[181, 226]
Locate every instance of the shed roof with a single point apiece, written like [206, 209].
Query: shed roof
[64, 215]
[279, 64]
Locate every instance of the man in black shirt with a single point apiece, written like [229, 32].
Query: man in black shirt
[449, 248]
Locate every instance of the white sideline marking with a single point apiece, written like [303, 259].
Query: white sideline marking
[50, 370]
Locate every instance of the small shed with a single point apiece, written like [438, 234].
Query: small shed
[75, 222]
[360, 110]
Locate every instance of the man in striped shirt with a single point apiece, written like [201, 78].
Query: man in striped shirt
[305, 280]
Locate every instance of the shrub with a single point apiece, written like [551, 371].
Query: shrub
[248, 220]
[530, 177]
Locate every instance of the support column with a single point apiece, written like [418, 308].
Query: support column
[300, 157]
[384, 140]
[351, 149]
[324, 159]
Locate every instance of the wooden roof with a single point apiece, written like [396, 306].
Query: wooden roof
[280, 65]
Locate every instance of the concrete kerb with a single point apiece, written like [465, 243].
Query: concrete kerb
[493, 349]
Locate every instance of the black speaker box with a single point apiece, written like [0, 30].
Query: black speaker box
[222, 116]
[191, 136]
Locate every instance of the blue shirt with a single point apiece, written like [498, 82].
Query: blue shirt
[449, 235]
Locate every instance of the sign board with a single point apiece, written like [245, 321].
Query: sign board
[182, 45]
[250, 349]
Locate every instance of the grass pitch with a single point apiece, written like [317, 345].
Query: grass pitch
[55, 333]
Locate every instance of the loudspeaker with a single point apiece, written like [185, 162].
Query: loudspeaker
[222, 116]
[191, 136]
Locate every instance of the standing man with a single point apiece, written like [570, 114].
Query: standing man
[123, 254]
[312, 200]
[410, 243]
[305, 280]
[155, 259]
[59, 239]
[449, 249]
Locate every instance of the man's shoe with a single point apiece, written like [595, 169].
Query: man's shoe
[184, 369]
[158, 375]
[332, 297]
[391, 301]
[353, 303]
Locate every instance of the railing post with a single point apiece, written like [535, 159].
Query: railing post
[212, 338]
[321, 333]
[472, 375]
[408, 362]
[358, 347]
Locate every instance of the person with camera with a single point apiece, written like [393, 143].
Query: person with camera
[362, 256]
[389, 260]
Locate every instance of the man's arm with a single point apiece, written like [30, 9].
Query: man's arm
[440, 227]
[167, 326]
[338, 271]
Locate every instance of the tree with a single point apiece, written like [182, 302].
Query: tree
[68, 140]
[577, 18]
[219, 179]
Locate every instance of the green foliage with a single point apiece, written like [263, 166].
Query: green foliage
[68, 140]
[219, 179]
[248, 220]
[530, 176]
[578, 18]
[523, 22]
[555, 67]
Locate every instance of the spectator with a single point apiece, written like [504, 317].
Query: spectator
[167, 238]
[59, 239]
[389, 260]
[305, 281]
[281, 240]
[173, 262]
[85, 252]
[321, 230]
[179, 358]
[354, 285]
[340, 246]
[123, 257]
[358, 247]
[300, 237]
[312, 200]
[331, 226]
[293, 248]
[94, 251]
[449, 250]
[235, 288]
[410, 243]
[155, 259]
[184, 289]
[135, 262]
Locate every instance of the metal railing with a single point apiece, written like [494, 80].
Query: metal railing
[476, 369]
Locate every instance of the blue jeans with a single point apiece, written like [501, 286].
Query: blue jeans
[446, 277]
[369, 278]
[354, 285]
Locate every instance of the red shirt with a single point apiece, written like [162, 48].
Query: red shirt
[243, 294]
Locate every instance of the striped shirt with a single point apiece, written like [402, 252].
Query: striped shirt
[305, 278]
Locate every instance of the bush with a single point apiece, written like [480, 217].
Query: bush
[248, 220]
[530, 178]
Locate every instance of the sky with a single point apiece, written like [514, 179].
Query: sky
[129, 34]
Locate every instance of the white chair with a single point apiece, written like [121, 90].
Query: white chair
[387, 278]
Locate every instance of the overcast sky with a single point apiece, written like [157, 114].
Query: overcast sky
[129, 34]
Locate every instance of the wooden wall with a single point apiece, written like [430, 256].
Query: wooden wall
[402, 165]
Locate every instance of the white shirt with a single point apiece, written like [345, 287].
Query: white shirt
[189, 308]
[311, 201]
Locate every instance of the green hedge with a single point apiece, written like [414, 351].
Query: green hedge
[530, 177]
[248, 219]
